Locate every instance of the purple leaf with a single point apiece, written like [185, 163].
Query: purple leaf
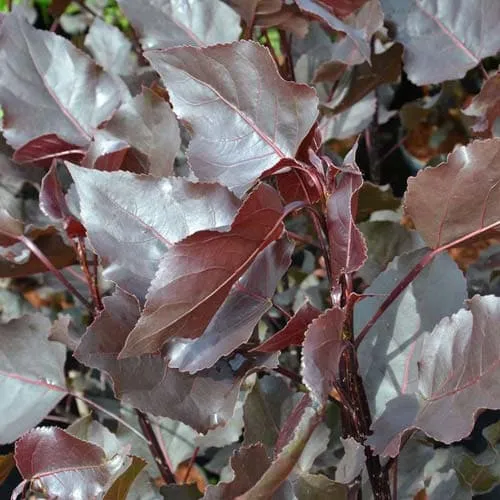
[222, 93]
[388, 356]
[170, 23]
[196, 275]
[457, 197]
[249, 464]
[294, 331]
[61, 465]
[75, 94]
[29, 390]
[132, 220]
[358, 38]
[323, 347]
[110, 48]
[234, 322]
[203, 401]
[147, 124]
[458, 370]
[442, 39]
[347, 245]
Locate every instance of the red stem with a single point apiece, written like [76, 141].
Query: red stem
[156, 450]
[190, 465]
[90, 277]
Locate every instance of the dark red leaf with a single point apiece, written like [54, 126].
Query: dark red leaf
[195, 275]
[234, 322]
[443, 40]
[347, 245]
[294, 331]
[203, 401]
[221, 92]
[63, 466]
[458, 197]
[323, 347]
[295, 186]
[45, 148]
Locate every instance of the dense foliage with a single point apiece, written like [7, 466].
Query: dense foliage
[209, 289]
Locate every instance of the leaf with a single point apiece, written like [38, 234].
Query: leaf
[53, 247]
[110, 48]
[148, 125]
[288, 458]
[440, 202]
[458, 367]
[384, 68]
[385, 240]
[366, 21]
[319, 487]
[121, 487]
[486, 106]
[203, 401]
[350, 122]
[347, 245]
[264, 412]
[196, 275]
[443, 40]
[59, 464]
[322, 349]
[76, 95]
[234, 323]
[29, 390]
[88, 429]
[221, 92]
[249, 464]
[170, 23]
[359, 39]
[342, 8]
[288, 18]
[293, 332]
[181, 492]
[389, 354]
[250, 9]
[7, 464]
[373, 197]
[352, 463]
[147, 216]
